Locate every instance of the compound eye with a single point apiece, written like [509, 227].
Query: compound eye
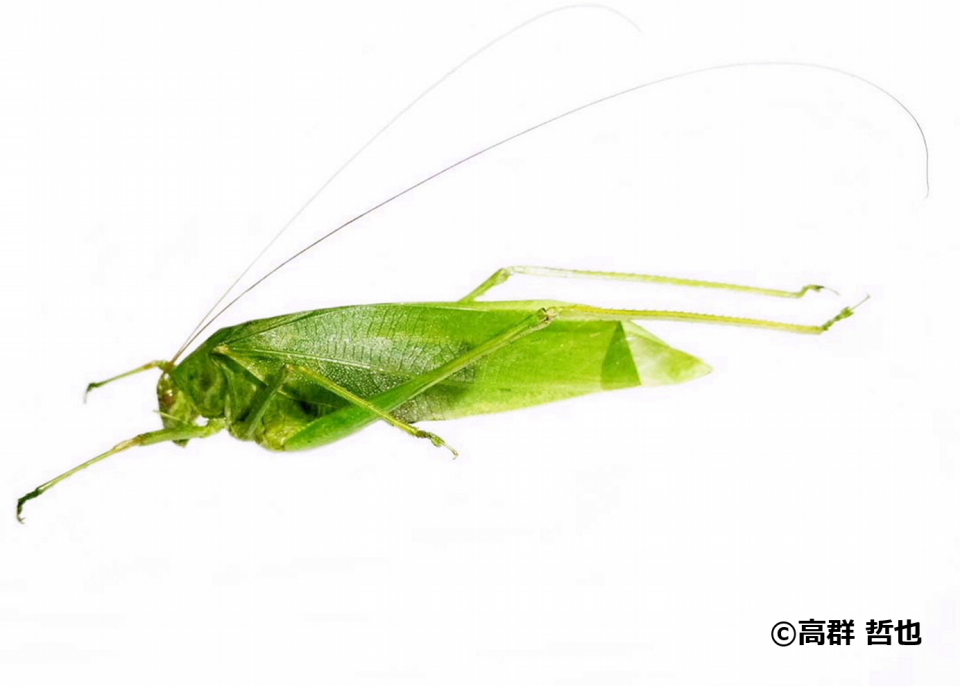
[167, 399]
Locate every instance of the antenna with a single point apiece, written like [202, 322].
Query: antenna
[548, 122]
[393, 120]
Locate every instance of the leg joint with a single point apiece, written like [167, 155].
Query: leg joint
[548, 314]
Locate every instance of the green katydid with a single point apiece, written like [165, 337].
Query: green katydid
[304, 380]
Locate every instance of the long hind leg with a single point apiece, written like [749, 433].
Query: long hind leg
[589, 312]
[502, 275]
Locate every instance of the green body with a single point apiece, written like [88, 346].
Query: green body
[372, 350]
[304, 380]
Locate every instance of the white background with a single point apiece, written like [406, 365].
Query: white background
[653, 536]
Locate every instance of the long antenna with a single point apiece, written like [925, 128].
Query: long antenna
[406, 108]
[547, 122]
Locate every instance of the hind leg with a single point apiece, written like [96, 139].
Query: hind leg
[502, 275]
[589, 312]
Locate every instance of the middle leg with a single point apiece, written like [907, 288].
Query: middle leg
[358, 415]
[371, 407]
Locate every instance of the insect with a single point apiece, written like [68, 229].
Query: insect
[304, 380]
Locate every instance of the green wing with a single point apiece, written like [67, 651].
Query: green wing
[370, 349]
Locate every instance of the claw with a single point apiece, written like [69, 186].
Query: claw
[844, 313]
[90, 387]
[439, 442]
[816, 288]
[29, 496]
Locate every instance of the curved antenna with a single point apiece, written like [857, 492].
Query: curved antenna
[547, 122]
[393, 120]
